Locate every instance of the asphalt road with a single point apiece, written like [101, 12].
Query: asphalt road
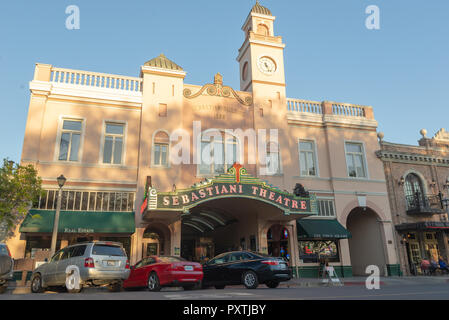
[404, 292]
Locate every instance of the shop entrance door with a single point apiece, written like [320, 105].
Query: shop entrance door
[431, 245]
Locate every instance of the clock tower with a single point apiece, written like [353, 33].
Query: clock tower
[261, 56]
[261, 60]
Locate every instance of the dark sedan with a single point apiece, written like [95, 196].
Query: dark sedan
[247, 268]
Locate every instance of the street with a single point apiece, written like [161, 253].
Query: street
[424, 291]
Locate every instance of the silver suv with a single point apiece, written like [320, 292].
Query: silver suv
[6, 267]
[97, 263]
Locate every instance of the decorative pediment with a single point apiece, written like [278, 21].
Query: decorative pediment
[442, 134]
[219, 90]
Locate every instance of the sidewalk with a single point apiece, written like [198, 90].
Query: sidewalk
[360, 281]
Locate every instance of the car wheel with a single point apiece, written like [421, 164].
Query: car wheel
[153, 282]
[250, 280]
[36, 284]
[272, 284]
[3, 288]
[115, 287]
[219, 287]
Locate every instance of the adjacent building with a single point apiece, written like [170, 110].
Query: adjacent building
[418, 184]
[318, 194]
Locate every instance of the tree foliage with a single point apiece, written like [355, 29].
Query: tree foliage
[19, 187]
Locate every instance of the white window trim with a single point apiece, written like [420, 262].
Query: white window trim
[59, 135]
[103, 136]
[160, 166]
[365, 162]
[317, 167]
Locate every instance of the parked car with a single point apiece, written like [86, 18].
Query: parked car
[6, 267]
[163, 271]
[247, 268]
[100, 263]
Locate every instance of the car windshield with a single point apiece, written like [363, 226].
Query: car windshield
[107, 250]
[171, 259]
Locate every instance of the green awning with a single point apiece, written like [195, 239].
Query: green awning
[321, 229]
[79, 222]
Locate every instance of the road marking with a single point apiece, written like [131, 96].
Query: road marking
[208, 296]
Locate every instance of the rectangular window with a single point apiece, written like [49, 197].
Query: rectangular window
[355, 160]
[162, 110]
[313, 251]
[307, 158]
[161, 154]
[222, 156]
[326, 207]
[113, 143]
[70, 140]
[273, 163]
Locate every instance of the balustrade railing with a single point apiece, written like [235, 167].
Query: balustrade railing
[296, 105]
[94, 79]
[348, 110]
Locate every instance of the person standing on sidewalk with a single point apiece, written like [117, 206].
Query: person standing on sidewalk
[443, 265]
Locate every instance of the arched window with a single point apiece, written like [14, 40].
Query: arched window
[414, 192]
[161, 143]
[263, 30]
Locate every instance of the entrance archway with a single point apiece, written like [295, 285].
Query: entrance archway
[277, 241]
[366, 246]
[224, 225]
[156, 240]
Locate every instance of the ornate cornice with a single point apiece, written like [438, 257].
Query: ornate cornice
[411, 158]
[217, 89]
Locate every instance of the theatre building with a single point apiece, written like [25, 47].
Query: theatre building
[289, 177]
[418, 184]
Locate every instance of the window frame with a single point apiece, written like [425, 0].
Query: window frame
[222, 141]
[153, 144]
[103, 140]
[315, 158]
[59, 134]
[364, 160]
[263, 169]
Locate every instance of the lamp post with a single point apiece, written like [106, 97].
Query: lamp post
[61, 181]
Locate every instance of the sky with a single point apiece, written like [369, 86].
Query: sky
[401, 69]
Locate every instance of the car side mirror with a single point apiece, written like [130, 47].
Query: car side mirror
[46, 260]
[132, 267]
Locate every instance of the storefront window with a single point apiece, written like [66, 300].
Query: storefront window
[312, 251]
[125, 241]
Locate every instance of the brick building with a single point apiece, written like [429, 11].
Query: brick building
[418, 184]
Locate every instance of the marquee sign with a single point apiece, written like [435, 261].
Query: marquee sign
[237, 183]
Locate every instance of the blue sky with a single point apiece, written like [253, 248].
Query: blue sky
[402, 70]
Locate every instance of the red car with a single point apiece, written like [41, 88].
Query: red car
[156, 272]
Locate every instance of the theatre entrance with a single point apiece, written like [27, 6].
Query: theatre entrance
[224, 225]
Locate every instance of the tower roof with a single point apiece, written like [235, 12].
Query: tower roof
[162, 62]
[261, 9]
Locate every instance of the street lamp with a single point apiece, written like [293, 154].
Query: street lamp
[61, 181]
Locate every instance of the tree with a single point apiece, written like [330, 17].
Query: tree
[19, 187]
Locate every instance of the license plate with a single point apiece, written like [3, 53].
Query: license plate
[188, 268]
[111, 263]
[283, 266]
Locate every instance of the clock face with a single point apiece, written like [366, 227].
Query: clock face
[266, 65]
